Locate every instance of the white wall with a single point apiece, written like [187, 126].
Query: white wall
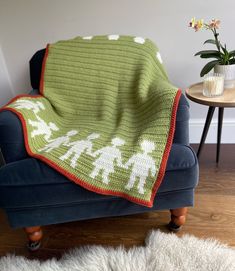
[27, 25]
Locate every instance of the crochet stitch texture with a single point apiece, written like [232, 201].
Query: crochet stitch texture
[105, 115]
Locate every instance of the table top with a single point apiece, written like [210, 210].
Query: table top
[194, 93]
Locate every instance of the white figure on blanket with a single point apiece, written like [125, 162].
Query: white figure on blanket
[142, 164]
[30, 105]
[78, 147]
[57, 142]
[42, 128]
[105, 162]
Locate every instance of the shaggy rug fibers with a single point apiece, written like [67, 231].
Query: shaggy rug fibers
[165, 252]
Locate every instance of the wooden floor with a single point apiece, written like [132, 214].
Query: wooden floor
[213, 216]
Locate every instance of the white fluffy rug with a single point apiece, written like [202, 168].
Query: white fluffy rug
[165, 252]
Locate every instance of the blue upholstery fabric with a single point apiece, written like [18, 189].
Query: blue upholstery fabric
[11, 137]
[35, 65]
[181, 135]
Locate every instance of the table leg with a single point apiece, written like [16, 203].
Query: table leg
[206, 128]
[219, 131]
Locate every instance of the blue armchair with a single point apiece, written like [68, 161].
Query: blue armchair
[33, 194]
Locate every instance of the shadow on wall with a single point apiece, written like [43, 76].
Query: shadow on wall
[6, 91]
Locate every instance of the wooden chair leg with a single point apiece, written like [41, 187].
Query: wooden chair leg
[34, 236]
[178, 218]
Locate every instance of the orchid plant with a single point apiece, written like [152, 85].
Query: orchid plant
[221, 55]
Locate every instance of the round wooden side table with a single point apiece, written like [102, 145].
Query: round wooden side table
[194, 93]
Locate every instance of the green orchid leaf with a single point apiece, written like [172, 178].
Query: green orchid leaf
[231, 53]
[206, 52]
[232, 61]
[224, 49]
[210, 41]
[208, 67]
[217, 56]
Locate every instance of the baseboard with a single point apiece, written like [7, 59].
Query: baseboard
[228, 131]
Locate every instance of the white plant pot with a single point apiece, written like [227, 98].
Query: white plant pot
[229, 74]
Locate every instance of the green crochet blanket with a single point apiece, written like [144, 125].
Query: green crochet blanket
[105, 116]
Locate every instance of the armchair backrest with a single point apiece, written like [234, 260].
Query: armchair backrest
[35, 64]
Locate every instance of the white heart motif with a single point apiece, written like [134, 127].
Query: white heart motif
[88, 38]
[113, 37]
[158, 55]
[139, 40]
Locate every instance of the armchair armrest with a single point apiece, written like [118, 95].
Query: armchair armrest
[182, 122]
[11, 136]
